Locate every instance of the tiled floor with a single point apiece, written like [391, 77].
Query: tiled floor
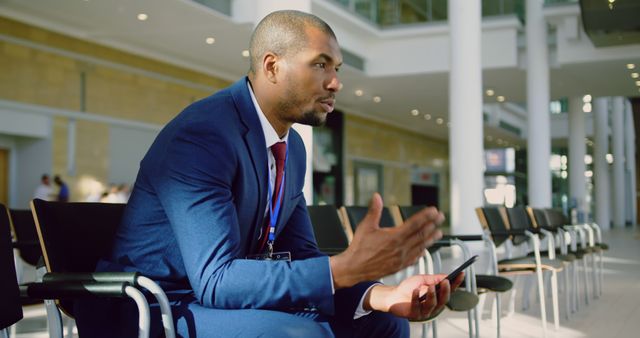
[615, 314]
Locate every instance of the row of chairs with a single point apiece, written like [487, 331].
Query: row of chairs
[71, 238]
[514, 229]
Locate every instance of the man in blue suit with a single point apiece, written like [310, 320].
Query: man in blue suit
[222, 185]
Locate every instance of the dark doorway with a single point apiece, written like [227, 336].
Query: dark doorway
[424, 195]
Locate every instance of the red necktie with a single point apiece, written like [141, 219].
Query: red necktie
[279, 151]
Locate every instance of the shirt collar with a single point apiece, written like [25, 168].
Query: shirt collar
[270, 135]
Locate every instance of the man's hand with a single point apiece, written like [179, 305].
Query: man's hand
[376, 252]
[403, 300]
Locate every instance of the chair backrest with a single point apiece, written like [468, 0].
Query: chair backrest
[519, 220]
[409, 210]
[74, 236]
[538, 216]
[11, 309]
[355, 214]
[328, 229]
[26, 234]
[555, 217]
[493, 219]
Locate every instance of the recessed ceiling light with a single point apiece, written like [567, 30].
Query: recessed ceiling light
[635, 75]
[439, 120]
[500, 98]
[586, 98]
[499, 141]
[210, 40]
[427, 117]
[245, 53]
[638, 83]
[340, 86]
[415, 112]
[142, 17]
[377, 99]
[631, 66]
[586, 107]
[359, 92]
[489, 138]
[490, 92]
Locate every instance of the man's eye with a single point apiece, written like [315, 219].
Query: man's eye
[320, 65]
[337, 69]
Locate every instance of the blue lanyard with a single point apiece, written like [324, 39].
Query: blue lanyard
[273, 213]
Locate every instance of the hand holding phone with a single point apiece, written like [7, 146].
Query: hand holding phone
[453, 275]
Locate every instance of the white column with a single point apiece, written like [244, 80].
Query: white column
[617, 133]
[465, 113]
[577, 151]
[539, 139]
[630, 150]
[600, 166]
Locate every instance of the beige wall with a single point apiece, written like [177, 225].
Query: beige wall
[145, 90]
[44, 68]
[398, 151]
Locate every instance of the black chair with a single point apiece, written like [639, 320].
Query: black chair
[328, 229]
[494, 221]
[26, 236]
[519, 218]
[459, 300]
[483, 282]
[73, 237]
[11, 309]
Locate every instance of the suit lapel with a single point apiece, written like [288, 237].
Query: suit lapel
[254, 141]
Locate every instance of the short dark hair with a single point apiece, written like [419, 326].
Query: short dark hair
[283, 32]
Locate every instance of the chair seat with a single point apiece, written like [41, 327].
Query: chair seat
[520, 263]
[570, 257]
[492, 283]
[461, 300]
[603, 246]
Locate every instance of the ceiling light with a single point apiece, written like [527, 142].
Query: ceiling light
[142, 17]
[631, 66]
[245, 53]
[586, 107]
[490, 92]
[210, 40]
[609, 158]
[439, 120]
[377, 99]
[489, 138]
[499, 141]
[635, 75]
[586, 98]
[359, 92]
[340, 86]
[427, 117]
[500, 98]
[415, 112]
[638, 83]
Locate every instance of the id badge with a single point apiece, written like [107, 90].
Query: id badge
[276, 256]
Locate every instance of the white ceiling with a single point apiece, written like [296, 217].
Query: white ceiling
[176, 30]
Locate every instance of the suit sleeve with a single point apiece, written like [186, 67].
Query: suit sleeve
[194, 184]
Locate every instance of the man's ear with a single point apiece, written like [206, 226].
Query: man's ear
[270, 64]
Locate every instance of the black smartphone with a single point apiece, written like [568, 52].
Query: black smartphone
[453, 275]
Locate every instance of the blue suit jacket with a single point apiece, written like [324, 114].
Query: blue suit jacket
[197, 207]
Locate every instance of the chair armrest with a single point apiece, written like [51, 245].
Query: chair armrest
[99, 277]
[73, 290]
[465, 238]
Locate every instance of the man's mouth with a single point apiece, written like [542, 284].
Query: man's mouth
[328, 104]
